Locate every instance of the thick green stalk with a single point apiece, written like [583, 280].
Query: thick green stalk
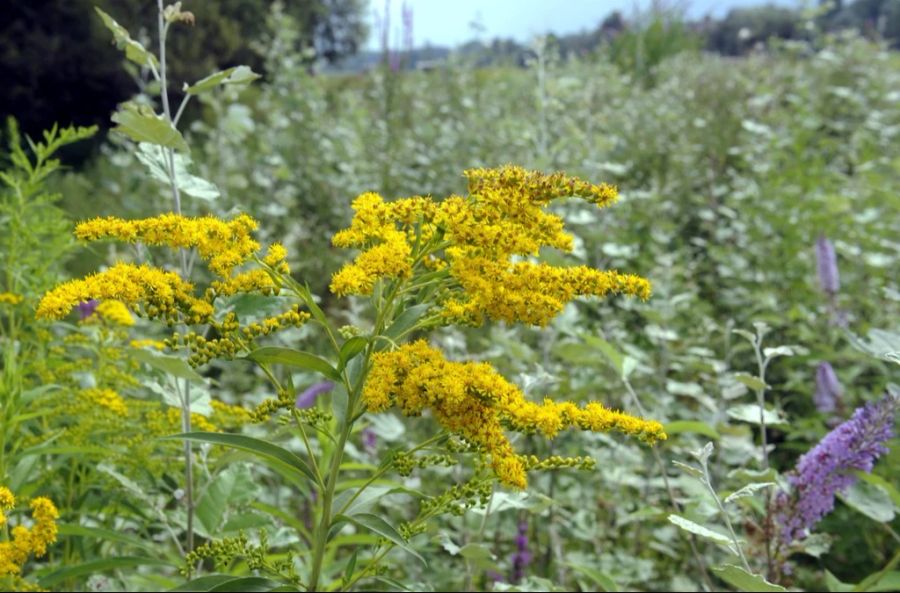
[320, 537]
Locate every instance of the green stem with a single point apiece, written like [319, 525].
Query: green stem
[320, 537]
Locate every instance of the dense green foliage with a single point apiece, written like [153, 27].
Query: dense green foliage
[729, 168]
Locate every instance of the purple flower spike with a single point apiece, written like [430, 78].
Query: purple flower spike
[828, 389]
[307, 399]
[827, 469]
[829, 279]
[522, 558]
[87, 308]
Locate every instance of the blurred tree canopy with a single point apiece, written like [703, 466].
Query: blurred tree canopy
[58, 63]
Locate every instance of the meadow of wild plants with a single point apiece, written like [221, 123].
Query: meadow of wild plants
[590, 324]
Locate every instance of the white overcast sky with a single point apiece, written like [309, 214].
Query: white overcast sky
[449, 22]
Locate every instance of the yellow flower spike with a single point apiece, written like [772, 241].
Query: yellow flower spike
[105, 398]
[224, 244]
[474, 401]
[476, 239]
[159, 292]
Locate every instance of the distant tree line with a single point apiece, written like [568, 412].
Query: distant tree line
[57, 62]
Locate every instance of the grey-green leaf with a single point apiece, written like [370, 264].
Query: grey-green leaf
[748, 490]
[134, 51]
[142, 124]
[704, 532]
[171, 365]
[236, 75]
[742, 580]
[154, 158]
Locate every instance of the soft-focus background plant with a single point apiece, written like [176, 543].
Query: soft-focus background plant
[758, 159]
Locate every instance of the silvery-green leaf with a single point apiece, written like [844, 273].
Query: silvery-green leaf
[778, 351]
[689, 469]
[155, 159]
[236, 75]
[871, 500]
[703, 454]
[704, 532]
[748, 490]
[742, 580]
[750, 413]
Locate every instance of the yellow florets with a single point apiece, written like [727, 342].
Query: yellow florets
[147, 343]
[471, 399]
[114, 312]
[105, 398]
[7, 501]
[24, 541]
[10, 298]
[224, 244]
[161, 293]
[472, 242]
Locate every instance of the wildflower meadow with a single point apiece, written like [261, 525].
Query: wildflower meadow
[622, 318]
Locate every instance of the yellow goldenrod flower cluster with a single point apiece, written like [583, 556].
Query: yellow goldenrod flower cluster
[10, 298]
[225, 245]
[105, 398]
[24, 541]
[161, 293]
[157, 293]
[471, 399]
[475, 241]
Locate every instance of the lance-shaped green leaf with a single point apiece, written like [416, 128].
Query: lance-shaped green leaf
[266, 451]
[134, 51]
[295, 358]
[142, 124]
[382, 528]
[238, 75]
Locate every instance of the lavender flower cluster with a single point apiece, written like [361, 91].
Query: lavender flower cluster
[827, 469]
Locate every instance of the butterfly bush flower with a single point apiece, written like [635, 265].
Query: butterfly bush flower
[308, 398]
[826, 260]
[827, 469]
[522, 557]
[828, 389]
